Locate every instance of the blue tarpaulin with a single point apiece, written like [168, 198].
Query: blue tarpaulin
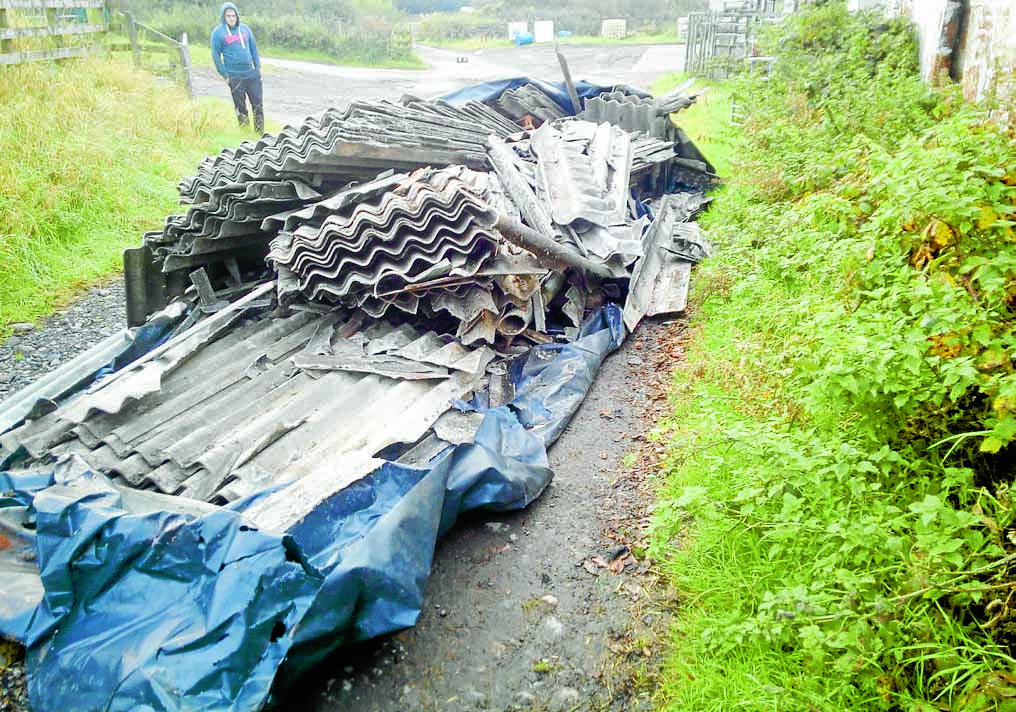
[146, 605]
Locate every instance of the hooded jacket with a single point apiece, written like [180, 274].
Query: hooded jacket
[234, 50]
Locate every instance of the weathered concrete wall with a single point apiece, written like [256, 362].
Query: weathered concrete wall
[987, 53]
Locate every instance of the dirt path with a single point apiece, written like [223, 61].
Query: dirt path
[520, 613]
[296, 89]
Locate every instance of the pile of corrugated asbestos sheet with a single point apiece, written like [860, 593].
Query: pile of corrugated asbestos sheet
[402, 288]
[346, 285]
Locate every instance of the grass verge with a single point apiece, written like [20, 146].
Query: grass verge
[90, 155]
[836, 509]
[476, 43]
[708, 121]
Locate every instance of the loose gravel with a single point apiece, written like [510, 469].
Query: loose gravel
[35, 350]
[13, 690]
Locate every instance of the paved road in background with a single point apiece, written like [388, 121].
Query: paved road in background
[294, 89]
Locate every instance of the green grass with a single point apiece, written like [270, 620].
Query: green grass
[201, 55]
[91, 153]
[708, 121]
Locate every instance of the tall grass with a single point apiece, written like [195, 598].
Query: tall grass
[90, 155]
[708, 121]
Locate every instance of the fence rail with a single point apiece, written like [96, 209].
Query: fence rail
[38, 30]
[146, 43]
[52, 4]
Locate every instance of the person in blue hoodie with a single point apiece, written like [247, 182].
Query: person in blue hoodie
[237, 61]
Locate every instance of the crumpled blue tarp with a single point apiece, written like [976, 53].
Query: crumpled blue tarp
[147, 608]
[489, 91]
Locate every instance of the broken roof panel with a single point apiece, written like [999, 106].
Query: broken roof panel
[253, 410]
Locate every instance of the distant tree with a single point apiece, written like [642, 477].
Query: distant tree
[420, 7]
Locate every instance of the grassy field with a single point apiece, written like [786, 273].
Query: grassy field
[91, 152]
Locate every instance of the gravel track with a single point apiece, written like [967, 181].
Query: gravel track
[35, 350]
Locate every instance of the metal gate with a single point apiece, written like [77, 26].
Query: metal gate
[718, 42]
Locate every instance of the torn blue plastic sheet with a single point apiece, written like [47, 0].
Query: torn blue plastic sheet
[150, 605]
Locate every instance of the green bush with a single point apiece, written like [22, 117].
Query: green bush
[441, 27]
[842, 463]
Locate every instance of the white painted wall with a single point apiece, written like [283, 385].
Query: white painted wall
[990, 51]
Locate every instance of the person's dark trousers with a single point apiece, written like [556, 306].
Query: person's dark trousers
[242, 89]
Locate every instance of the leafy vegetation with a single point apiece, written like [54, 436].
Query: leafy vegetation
[837, 508]
[470, 40]
[90, 155]
[648, 21]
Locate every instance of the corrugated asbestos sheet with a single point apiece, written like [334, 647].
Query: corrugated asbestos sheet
[422, 248]
[355, 143]
[243, 407]
[660, 280]
[629, 113]
[529, 104]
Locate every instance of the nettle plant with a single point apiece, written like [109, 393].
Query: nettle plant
[921, 344]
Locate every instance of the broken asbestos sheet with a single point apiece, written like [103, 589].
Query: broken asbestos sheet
[361, 328]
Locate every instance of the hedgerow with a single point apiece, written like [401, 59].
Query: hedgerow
[836, 506]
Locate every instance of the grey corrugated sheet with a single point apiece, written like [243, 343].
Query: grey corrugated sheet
[424, 247]
[661, 279]
[421, 230]
[631, 116]
[529, 100]
[470, 111]
[235, 416]
[353, 144]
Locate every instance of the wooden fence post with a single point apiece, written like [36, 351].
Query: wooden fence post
[51, 23]
[185, 62]
[132, 31]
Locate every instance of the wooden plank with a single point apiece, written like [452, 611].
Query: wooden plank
[132, 32]
[51, 4]
[13, 33]
[142, 48]
[42, 55]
